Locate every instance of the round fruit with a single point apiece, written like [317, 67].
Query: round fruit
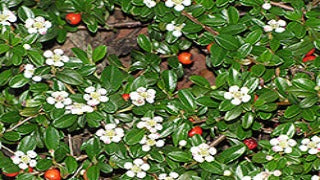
[195, 130]
[209, 47]
[10, 174]
[309, 58]
[311, 52]
[73, 18]
[30, 169]
[185, 58]
[52, 174]
[125, 97]
[255, 98]
[250, 143]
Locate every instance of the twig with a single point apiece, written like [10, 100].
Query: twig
[69, 88]
[82, 157]
[7, 149]
[209, 29]
[218, 140]
[19, 124]
[283, 103]
[77, 172]
[131, 24]
[70, 144]
[281, 5]
[125, 109]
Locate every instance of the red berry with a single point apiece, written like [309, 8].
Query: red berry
[185, 58]
[125, 97]
[30, 169]
[209, 47]
[250, 143]
[309, 58]
[255, 98]
[311, 52]
[52, 174]
[73, 18]
[195, 130]
[10, 174]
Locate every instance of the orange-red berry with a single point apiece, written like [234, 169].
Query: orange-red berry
[309, 58]
[195, 130]
[209, 47]
[52, 174]
[73, 18]
[125, 97]
[185, 58]
[250, 143]
[10, 174]
[311, 52]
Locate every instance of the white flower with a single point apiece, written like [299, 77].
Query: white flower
[227, 173]
[110, 134]
[277, 173]
[315, 177]
[312, 146]
[203, 152]
[37, 25]
[269, 158]
[59, 99]
[262, 175]
[138, 168]
[172, 176]
[246, 178]
[141, 95]
[237, 96]
[178, 4]
[55, 58]
[153, 125]
[277, 26]
[7, 17]
[175, 28]
[78, 108]
[24, 160]
[266, 6]
[282, 144]
[150, 3]
[94, 97]
[182, 143]
[151, 140]
[26, 46]
[29, 73]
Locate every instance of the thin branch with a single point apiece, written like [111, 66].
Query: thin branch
[282, 5]
[218, 140]
[69, 88]
[209, 29]
[7, 149]
[130, 24]
[19, 124]
[70, 144]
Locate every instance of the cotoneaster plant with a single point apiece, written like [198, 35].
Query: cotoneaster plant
[258, 119]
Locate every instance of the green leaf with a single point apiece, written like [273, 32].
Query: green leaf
[51, 138]
[65, 121]
[170, 80]
[180, 156]
[187, 99]
[292, 111]
[287, 129]
[10, 117]
[247, 120]
[44, 164]
[217, 54]
[11, 136]
[82, 55]
[5, 76]
[99, 53]
[27, 143]
[233, 114]
[144, 42]
[111, 78]
[231, 154]
[180, 133]
[254, 36]
[213, 167]
[70, 76]
[18, 81]
[227, 41]
[259, 157]
[200, 81]
[93, 173]
[71, 164]
[36, 58]
[245, 50]
[24, 13]
[134, 136]
[233, 15]
[4, 48]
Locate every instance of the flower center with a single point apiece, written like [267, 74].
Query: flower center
[237, 95]
[110, 133]
[283, 144]
[25, 159]
[38, 25]
[177, 1]
[56, 58]
[144, 94]
[274, 26]
[151, 122]
[95, 95]
[3, 17]
[136, 169]
[151, 142]
[59, 98]
[204, 152]
[31, 71]
[312, 145]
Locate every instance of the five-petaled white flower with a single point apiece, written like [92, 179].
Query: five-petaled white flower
[151, 140]
[37, 25]
[29, 73]
[312, 146]
[266, 6]
[78, 108]
[237, 95]
[203, 152]
[277, 26]
[7, 17]
[59, 99]
[282, 144]
[171, 176]
[141, 95]
[264, 175]
[25, 160]
[178, 4]
[95, 96]
[55, 58]
[175, 28]
[110, 134]
[315, 177]
[153, 125]
[150, 3]
[138, 168]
